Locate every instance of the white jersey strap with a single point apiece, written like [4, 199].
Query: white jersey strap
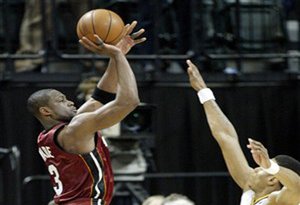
[247, 197]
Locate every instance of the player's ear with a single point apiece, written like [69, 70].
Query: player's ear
[45, 111]
[272, 180]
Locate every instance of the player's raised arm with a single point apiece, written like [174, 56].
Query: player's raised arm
[287, 177]
[83, 126]
[221, 129]
[107, 86]
[290, 180]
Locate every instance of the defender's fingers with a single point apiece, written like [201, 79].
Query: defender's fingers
[189, 70]
[256, 143]
[189, 62]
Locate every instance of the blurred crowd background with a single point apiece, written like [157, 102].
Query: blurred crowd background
[247, 50]
[223, 35]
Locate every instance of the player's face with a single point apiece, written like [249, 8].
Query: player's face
[259, 180]
[62, 109]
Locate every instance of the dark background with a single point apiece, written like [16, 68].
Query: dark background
[266, 111]
[241, 49]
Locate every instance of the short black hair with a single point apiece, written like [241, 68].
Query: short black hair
[38, 99]
[288, 162]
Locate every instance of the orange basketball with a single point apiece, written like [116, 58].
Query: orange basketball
[105, 23]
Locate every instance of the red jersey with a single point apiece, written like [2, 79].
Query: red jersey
[84, 179]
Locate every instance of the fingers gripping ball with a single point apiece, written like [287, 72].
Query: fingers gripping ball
[105, 23]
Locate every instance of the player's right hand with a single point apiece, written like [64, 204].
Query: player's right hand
[99, 47]
[195, 77]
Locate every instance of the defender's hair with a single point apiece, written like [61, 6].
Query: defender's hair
[38, 99]
[288, 162]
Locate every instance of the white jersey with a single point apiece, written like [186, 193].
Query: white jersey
[248, 199]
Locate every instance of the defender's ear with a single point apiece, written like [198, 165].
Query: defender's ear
[272, 180]
[45, 111]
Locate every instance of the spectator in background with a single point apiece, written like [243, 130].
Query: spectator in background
[177, 199]
[154, 200]
[172, 199]
[31, 35]
[86, 87]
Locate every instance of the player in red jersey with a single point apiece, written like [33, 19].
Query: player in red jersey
[71, 146]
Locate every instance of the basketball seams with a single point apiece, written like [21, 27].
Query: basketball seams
[104, 23]
[112, 41]
[93, 25]
[80, 28]
[109, 27]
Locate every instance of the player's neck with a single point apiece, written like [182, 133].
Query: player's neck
[264, 193]
[49, 123]
[257, 199]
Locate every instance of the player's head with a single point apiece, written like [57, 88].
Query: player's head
[50, 104]
[261, 180]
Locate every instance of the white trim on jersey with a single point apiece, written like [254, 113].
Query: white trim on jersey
[104, 141]
[247, 197]
[99, 174]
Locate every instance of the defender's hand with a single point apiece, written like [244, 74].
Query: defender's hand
[259, 153]
[195, 77]
[130, 39]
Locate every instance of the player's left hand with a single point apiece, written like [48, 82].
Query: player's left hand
[259, 153]
[130, 39]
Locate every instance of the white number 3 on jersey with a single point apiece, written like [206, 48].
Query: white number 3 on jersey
[59, 186]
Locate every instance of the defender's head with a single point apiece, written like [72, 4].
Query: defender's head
[288, 162]
[261, 180]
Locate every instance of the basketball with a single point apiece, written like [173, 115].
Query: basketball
[105, 23]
